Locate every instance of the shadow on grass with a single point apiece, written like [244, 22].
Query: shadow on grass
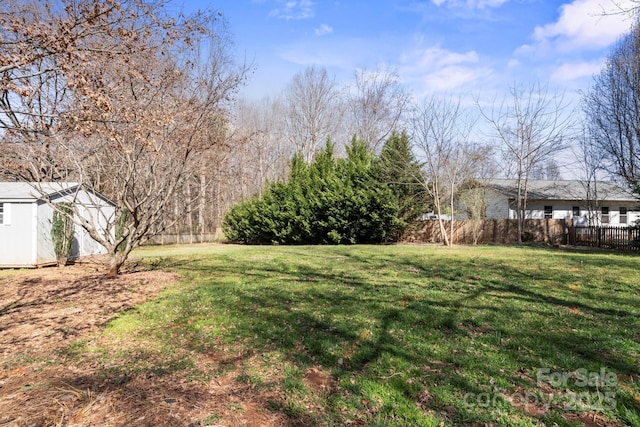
[406, 323]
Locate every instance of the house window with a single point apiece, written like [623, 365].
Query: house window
[576, 211]
[548, 212]
[623, 215]
[605, 215]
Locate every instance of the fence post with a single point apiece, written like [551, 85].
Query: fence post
[571, 236]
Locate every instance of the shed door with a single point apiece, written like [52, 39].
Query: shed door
[16, 235]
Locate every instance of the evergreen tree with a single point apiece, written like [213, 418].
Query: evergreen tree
[398, 169]
[328, 201]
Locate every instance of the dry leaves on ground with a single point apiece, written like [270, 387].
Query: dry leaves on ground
[44, 311]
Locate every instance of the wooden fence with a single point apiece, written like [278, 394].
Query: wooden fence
[621, 238]
[553, 231]
[185, 238]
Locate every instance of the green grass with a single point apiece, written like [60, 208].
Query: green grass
[411, 335]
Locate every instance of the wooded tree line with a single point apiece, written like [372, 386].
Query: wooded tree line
[139, 103]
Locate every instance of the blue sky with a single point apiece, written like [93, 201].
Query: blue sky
[435, 46]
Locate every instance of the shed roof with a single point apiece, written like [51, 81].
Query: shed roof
[565, 190]
[32, 190]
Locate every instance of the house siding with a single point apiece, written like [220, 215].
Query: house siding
[497, 205]
[563, 209]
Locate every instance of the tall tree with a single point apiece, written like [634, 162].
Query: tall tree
[612, 110]
[376, 104]
[441, 130]
[531, 125]
[260, 125]
[312, 112]
[119, 96]
[397, 168]
[590, 160]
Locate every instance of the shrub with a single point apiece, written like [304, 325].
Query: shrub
[62, 232]
[329, 201]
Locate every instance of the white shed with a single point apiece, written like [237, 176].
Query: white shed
[26, 218]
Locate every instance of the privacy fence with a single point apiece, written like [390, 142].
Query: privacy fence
[553, 231]
[621, 238]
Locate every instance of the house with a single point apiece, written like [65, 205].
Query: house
[26, 216]
[596, 203]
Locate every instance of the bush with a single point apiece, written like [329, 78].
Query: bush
[329, 201]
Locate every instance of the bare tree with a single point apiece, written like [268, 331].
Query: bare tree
[547, 170]
[260, 125]
[376, 103]
[612, 110]
[531, 125]
[440, 134]
[473, 196]
[622, 7]
[118, 96]
[591, 161]
[313, 112]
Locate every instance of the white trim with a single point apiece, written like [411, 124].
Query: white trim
[6, 213]
[34, 234]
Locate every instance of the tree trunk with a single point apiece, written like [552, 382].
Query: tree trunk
[443, 229]
[519, 209]
[116, 261]
[202, 204]
[189, 213]
[451, 200]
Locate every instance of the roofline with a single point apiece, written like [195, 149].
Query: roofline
[506, 187]
[73, 188]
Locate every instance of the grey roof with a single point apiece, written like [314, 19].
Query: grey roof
[564, 190]
[26, 191]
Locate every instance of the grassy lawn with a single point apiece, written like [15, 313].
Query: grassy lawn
[396, 335]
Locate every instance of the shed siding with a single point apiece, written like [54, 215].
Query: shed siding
[46, 252]
[96, 211]
[26, 241]
[16, 238]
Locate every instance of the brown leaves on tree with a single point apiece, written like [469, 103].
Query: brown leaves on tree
[119, 95]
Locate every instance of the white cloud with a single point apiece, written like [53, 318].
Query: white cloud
[438, 70]
[571, 50]
[470, 4]
[438, 57]
[324, 29]
[513, 63]
[293, 9]
[572, 71]
[323, 53]
[584, 25]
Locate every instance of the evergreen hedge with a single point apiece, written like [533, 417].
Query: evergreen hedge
[329, 201]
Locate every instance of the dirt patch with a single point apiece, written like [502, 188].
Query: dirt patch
[43, 311]
[591, 419]
[317, 379]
